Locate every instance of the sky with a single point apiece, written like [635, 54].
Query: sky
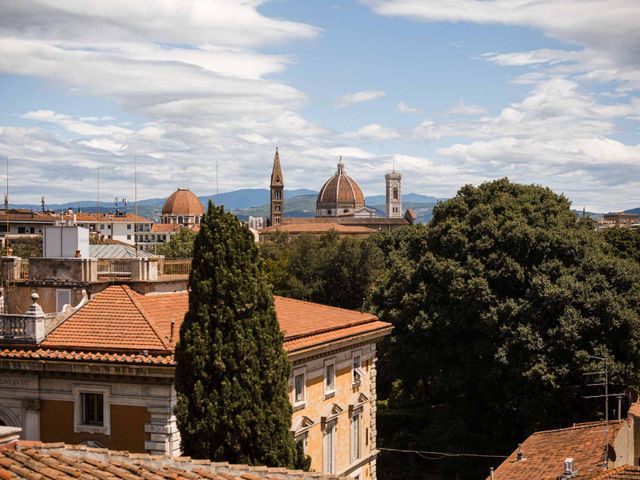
[450, 91]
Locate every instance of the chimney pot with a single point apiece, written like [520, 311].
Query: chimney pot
[569, 468]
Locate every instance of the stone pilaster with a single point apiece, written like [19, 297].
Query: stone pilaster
[162, 430]
[373, 409]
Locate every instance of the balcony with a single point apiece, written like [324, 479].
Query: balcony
[32, 326]
[92, 270]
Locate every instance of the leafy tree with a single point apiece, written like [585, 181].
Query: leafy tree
[26, 247]
[497, 306]
[624, 242]
[327, 268]
[231, 367]
[179, 246]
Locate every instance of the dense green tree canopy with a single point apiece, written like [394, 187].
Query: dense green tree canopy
[232, 370]
[497, 306]
[179, 246]
[624, 242]
[327, 268]
[26, 247]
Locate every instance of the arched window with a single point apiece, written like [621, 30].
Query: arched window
[395, 193]
[197, 219]
[180, 220]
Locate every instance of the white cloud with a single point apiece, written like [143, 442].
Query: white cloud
[357, 97]
[404, 107]
[372, 133]
[609, 25]
[81, 126]
[462, 108]
[194, 73]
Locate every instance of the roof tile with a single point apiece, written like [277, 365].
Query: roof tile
[120, 325]
[544, 452]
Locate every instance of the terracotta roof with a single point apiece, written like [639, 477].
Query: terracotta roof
[298, 318]
[27, 216]
[183, 202]
[625, 472]
[81, 217]
[115, 319]
[544, 452]
[340, 191]
[36, 460]
[122, 326]
[29, 353]
[312, 227]
[165, 227]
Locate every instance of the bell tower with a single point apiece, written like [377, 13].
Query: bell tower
[393, 182]
[277, 192]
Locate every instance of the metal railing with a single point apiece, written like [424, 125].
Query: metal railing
[114, 268]
[174, 268]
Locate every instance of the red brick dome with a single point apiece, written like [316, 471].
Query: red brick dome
[340, 192]
[183, 202]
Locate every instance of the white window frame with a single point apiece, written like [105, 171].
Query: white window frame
[357, 373]
[329, 451]
[356, 435]
[78, 426]
[58, 292]
[303, 401]
[330, 391]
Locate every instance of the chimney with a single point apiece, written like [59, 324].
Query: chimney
[519, 453]
[9, 435]
[569, 468]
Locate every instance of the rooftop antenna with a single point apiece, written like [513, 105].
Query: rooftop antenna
[217, 186]
[135, 199]
[98, 195]
[605, 384]
[42, 203]
[394, 165]
[6, 208]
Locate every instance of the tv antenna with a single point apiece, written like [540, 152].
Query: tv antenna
[98, 195]
[135, 200]
[602, 380]
[6, 209]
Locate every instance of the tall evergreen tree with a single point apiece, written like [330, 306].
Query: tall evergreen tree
[231, 367]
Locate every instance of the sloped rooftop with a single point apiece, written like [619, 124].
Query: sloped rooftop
[35, 460]
[122, 326]
[544, 452]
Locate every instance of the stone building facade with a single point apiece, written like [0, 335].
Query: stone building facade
[102, 374]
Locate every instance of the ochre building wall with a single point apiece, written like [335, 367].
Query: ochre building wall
[127, 426]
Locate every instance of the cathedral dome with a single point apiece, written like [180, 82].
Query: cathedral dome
[182, 202]
[339, 195]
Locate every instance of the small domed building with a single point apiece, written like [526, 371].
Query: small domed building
[342, 196]
[182, 207]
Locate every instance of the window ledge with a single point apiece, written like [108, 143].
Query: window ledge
[92, 429]
[299, 406]
[329, 394]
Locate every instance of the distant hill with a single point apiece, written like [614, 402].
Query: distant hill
[633, 210]
[250, 202]
[152, 207]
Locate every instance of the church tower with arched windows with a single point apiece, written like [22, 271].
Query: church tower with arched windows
[277, 192]
[393, 181]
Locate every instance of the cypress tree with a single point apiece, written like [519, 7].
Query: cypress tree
[231, 367]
